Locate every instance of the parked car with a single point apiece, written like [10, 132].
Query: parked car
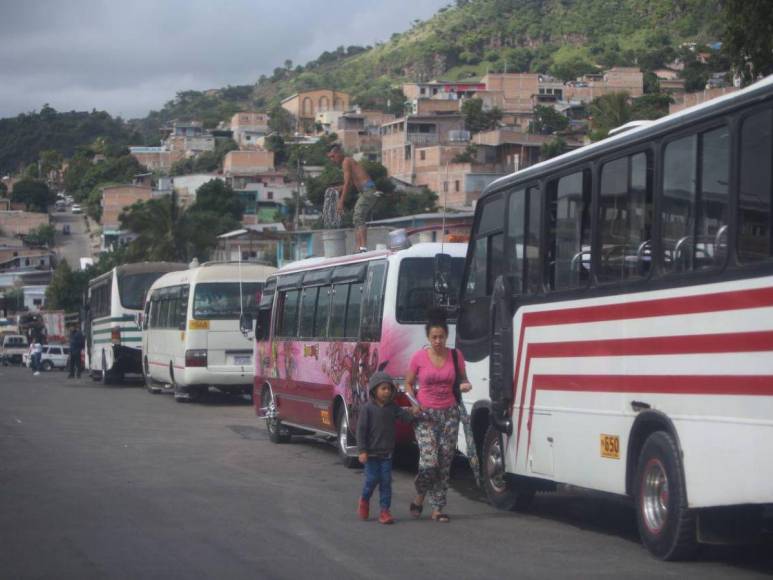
[76, 208]
[54, 356]
[13, 348]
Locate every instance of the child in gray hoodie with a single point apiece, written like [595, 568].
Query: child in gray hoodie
[376, 442]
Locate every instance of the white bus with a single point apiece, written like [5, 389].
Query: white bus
[325, 325]
[191, 337]
[112, 318]
[616, 317]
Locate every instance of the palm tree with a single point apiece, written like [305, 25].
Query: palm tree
[609, 111]
[159, 228]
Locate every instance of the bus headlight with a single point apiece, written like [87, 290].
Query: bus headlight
[196, 357]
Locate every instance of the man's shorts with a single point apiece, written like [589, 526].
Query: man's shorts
[365, 203]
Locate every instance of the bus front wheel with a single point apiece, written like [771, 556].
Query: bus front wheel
[503, 493]
[666, 526]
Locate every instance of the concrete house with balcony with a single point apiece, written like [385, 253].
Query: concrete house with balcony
[305, 105]
[248, 128]
[115, 199]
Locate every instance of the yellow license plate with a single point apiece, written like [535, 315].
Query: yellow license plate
[198, 325]
[610, 446]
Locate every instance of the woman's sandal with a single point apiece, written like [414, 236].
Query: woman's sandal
[441, 518]
[415, 509]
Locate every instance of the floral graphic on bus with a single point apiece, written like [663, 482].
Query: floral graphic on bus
[353, 362]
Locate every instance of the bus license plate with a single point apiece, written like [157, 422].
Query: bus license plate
[242, 359]
[610, 446]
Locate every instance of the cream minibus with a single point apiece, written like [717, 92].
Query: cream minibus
[191, 338]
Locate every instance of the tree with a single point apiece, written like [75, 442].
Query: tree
[34, 194]
[281, 120]
[651, 106]
[607, 112]
[66, 288]
[553, 148]
[469, 155]
[476, 119]
[548, 121]
[41, 236]
[159, 229]
[748, 37]
[218, 197]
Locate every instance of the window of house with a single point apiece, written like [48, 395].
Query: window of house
[37, 301]
[445, 187]
[422, 155]
[456, 185]
[754, 204]
[270, 195]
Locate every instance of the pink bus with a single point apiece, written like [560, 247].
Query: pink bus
[324, 325]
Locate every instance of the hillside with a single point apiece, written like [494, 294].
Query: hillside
[562, 37]
[565, 38]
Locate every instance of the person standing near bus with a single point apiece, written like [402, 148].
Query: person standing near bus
[437, 426]
[355, 175]
[376, 442]
[77, 343]
[36, 352]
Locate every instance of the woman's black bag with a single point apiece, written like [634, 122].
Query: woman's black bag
[457, 379]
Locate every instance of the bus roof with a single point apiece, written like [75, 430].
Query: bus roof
[140, 268]
[216, 271]
[757, 92]
[424, 249]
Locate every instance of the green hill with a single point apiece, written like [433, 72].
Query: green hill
[563, 37]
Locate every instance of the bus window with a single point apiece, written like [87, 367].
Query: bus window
[323, 308]
[532, 252]
[568, 233]
[516, 229]
[353, 308]
[220, 300]
[132, 288]
[263, 323]
[415, 288]
[754, 217]
[624, 218]
[308, 307]
[695, 201]
[373, 303]
[288, 322]
[476, 277]
[337, 325]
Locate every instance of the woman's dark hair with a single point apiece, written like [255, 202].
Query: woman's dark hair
[436, 317]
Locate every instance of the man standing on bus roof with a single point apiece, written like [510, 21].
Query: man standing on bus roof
[355, 175]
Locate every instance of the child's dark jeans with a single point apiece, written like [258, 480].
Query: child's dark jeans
[378, 472]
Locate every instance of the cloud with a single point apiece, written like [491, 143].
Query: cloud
[131, 57]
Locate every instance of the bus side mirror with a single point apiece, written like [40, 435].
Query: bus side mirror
[246, 324]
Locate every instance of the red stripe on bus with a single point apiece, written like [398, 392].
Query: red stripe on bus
[730, 385]
[683, 305]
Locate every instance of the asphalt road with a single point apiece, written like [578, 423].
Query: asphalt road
[75, 246]
[112, 482]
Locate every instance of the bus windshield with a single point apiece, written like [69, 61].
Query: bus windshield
[415, 288]
[220, 300]
[134, 287]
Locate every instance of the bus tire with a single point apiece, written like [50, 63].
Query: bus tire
[666, 526]
[277, 433]
[344, 438]
[502, 493]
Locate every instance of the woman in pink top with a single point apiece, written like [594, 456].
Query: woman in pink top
[437, 426]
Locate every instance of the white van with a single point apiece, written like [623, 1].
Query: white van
[191, 338]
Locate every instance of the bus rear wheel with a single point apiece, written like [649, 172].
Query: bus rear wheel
[276, 432]
[666, 526]
[344, 439]
[502, 493]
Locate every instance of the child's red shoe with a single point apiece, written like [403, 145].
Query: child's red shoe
[385, 517]
[363, 509]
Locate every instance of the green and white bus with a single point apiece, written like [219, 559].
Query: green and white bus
[113, 318]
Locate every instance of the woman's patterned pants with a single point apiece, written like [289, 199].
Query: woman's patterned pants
[436, 434]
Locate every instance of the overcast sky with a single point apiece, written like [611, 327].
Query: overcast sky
[129, 57]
